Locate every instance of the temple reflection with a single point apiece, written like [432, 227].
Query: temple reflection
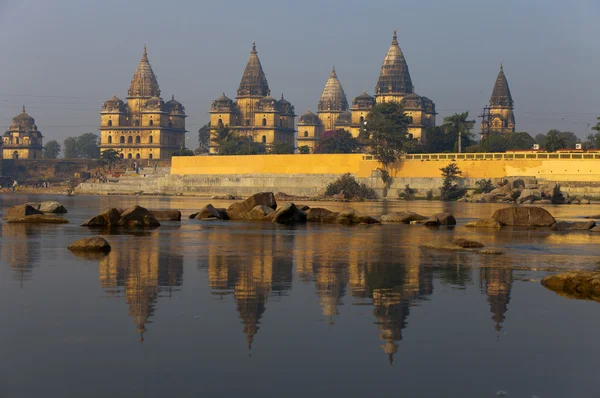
[496, 284]
[142, 275]
[21, 249]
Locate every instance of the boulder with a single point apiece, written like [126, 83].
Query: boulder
[573, 226]
[402, 217]
[109, 218]
[95, 244]
[240, 210]
[259, 212]
[288, 214]
[524, 217]
[484, 223]
[529, 195]
[52, 206]
[595, 229]
[20, 211]
[304, 208]
[166, 215]
[39, 219]
[440, 219]
[138, 216]
[467, 244]
[208, 212]
[351, 216]
[223, 213]
[319, 214]
[575, 284]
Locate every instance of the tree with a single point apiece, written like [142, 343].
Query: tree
[110, 157]
[500, 142]
[51, 150]
[594, 138]
[281, 148]
[452, 176]
[459, 128]
[337, 141]
[387, 129]
[183, 152]
[555, 141]
[84, 146]
[203, 139]
[304, 149]
[70, 148]
[229, 142]
[438, 140]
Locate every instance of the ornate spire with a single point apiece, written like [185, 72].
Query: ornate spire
[144, 83]
[394, 77]
[333, 97]
[23, 111]
[501, 94]
[254, 81]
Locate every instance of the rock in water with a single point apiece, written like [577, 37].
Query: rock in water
[259, 212]
[108, 219]
[440, 219]
[467, 244]
[167, 215]
[573, 226]
[240, 210]
[95, 244]
[28, 214]
[52, 206]
[576, 284]
[530, 216]
[288, 214]
[137, 216]
[484, 223]
[405, 217]
[351, 216]
[319, 214]
[20, 211]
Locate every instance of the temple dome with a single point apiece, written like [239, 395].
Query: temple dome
[309, 118]
[144, 83]
[285, 106]
[113, 105]
[363, 101]
[223, 103]
[333, 97]
[23, 122]
[412, 100]
[394, 77]
[267, 103]
[254, 82]
[174, 107]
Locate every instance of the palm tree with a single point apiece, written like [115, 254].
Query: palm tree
[458, 125]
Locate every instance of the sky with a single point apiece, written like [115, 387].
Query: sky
[63, 58]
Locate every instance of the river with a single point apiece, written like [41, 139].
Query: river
[257, 309]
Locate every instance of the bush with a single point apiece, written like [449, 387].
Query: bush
[351, 188]
[430, 195]
[450, 188]
[484, 186]
[407, 193]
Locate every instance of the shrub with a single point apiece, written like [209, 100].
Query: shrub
[430, 194]
[450, 188]
[351, 187]
[407, 193]
[484, 186]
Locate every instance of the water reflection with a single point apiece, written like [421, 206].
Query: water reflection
[21, 249]
[142, 272]
[496, 284]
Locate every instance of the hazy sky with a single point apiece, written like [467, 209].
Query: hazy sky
[63, 58]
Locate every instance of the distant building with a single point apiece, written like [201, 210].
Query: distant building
[255, 113]
[394, 85]
[499, 117]
[22, 140]
[144, 127]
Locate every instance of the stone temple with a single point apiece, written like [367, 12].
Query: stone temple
[22, 140]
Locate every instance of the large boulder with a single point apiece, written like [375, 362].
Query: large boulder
[467, 244]
[108, 219]
[576, 284]
[20, 211]
[52, 206]
[259, 213]
[440, 219]
[138, 216]
[240, 210]
[573, 226]
[208, 212]
[405, 217]
[288, 214]
[319, 214]
[28, 214]
[351, 216]
[484, 223]
[166, 215]
[529, 194]
[95, 244]
[524, 217]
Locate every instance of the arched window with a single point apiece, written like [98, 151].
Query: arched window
[137, 155]
[138, 139]
[122, 140]
[15, 155]
[306, 133]
[130, 140]
[110, 123]
[264, 139]
[110, 139]
[150, 139]
[264, 122]
[362, 120]
[128, 156]
[220, 122]
[150, 156]
[170, 124]
[26, 140]
[151, 122]
[121, 155]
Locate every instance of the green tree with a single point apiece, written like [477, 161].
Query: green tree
[51, 150]
[71, 151]
[594, 138]
[88, 146]
[459, 128]
[183, 152]
[452, 176]
[500, 142]
[555, 141]
[281, 149]
[304, 149]
[337, 141]
[203, 139]
[437, 140]
[110, 157]
[387, 129]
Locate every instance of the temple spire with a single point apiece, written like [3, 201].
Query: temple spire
[23, 111]
[254, 81]
[501, 95]
[395, 39]
[144, 83]
[333, 97]
[394, 77]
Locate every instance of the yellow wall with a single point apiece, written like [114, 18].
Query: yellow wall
[571, 167]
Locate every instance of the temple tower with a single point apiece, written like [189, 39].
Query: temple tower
[333, 102]
[499, 117]
[22, 140]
